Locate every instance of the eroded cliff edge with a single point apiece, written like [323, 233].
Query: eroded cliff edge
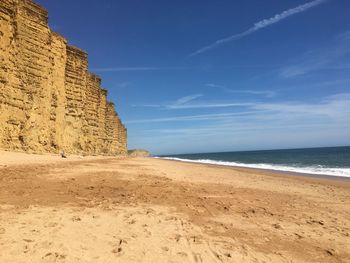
[49, 102]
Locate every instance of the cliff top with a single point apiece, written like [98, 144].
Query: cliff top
[36, 6]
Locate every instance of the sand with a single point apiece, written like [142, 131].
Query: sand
[100, 209]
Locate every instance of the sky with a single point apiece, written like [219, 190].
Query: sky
[192, 76]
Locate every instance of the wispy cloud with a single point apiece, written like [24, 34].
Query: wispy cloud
[201, 117]
[323, 122]
[334, 107]
[147, 105]
[345, 82]
[186, 99]
[206, 105]
[265, 93]
[323, 58]
[187, 103]
[260, 25]
[202, 105]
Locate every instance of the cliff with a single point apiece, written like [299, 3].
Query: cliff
[49, 102]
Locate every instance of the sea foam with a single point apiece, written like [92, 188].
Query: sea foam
[317, 170]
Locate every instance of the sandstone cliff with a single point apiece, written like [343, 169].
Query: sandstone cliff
[49, 102]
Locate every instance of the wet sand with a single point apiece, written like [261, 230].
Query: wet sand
[148, 210]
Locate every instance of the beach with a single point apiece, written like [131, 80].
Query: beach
[104, 209]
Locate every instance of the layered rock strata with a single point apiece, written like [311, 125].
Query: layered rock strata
[49, 102]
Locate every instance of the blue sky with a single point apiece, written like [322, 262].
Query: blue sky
[205, 76]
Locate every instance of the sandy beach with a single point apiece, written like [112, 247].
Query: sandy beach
[100, 209]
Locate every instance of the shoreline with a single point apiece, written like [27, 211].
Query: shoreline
[273, 171]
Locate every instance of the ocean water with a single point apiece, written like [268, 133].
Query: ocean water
[332, 161]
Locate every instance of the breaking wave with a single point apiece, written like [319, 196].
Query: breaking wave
[317, 169]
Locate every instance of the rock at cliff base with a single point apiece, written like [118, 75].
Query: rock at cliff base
[139, 153]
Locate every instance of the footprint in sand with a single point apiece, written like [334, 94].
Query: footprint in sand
[76, 219]
[119, 250]
[26, 249]
[177, 238]
[133, 221]
[148, 233]
[197, 257]
[165, 249]
[54, 256]
[150, 211]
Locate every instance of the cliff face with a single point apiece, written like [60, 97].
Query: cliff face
[49, 102]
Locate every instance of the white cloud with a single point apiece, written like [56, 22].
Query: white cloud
[323, 58]
[205, 105]
[147, 105]
[261, 24]
[324, 122]
[187, 103]
[265, 93]
[201, 117]
[186, 99]
[335, 108]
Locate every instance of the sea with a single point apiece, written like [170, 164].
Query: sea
[331, 161]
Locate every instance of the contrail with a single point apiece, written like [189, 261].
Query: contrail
[260, 25]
